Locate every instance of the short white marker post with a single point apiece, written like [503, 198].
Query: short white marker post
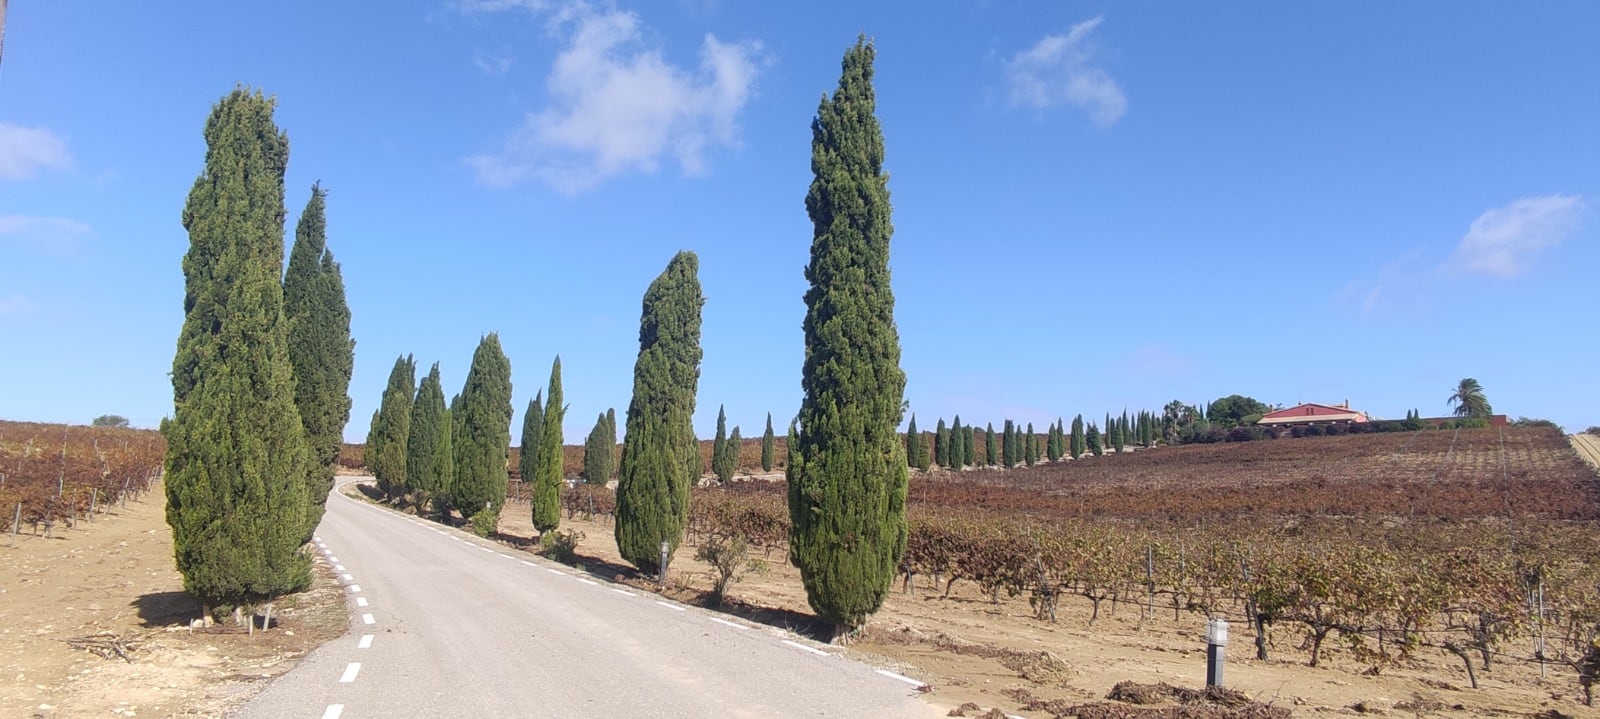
[665, 547]
[1216, 649]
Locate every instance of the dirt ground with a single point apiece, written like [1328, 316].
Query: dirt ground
[111, 585]
[112, 582]
[1588, 447]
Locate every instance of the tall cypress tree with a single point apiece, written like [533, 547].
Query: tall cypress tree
[1079, 443]
[661, 453]
[597, 453]
[957, 447]
[1008, 445]
[969, 454]
[391, 427]
[913, 444]
[532, 437]
[429, 466]
[768, 447]
[734, 448]
[320, 349]
[721, 460]
[1092, 437]
[1030, 447]
[611, 441]
[548, 482]
[847, 474]
[482, 437]
[941, 444]
[989, 446]
[237, 458]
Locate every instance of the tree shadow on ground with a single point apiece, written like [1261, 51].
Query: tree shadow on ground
[166, 609]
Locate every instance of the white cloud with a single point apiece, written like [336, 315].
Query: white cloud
[616, 105]
[1061, 69]
[1503, 241]
[493, 64]
[42, 232]
[26, 150]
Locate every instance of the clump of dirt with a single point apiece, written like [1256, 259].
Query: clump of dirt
[1132, 700]
[965, 711]
[1039, 667]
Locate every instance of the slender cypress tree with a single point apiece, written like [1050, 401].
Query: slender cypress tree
[548, 482]
[1008, 446]
[1030, 447]
[768, 446]
[1079, 442]
[597, 453]
[969, 455]
[734, 448]
[320, 349]
[957, 445]
[237, 458]
[661, 453]
[532, 437]
[611, 442]
[428, 463]
[913, 444]
[941, 444]
[847, 474]
[1092, 437]
[391, 426]
[989, 448]
[482, 437]
[1052, 443]
[722, 460]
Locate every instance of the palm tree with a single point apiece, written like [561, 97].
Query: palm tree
[1468, 400]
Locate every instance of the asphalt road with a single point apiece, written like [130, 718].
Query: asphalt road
[444, 624]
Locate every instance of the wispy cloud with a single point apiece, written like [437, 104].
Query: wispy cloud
[42, 232]
[1061, 70]
[1503, 241]
[615, 105]
[493, 64]
[24, 151]
[1398, 281]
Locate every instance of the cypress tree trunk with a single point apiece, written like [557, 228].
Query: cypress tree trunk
[547, 485]
[481, 437]
[237, 458]
[659, 460]
[320, 349]
[847, 471]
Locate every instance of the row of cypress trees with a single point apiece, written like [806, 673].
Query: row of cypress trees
[261, 373]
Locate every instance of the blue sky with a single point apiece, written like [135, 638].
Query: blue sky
[1096, 205]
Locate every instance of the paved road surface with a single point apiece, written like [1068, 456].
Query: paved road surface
[1588, 447]
[448, 625]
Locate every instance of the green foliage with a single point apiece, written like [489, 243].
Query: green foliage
[1008, 446]
[547, 482]
[484, 522]
[660, 459]
[429, 465]
[730, 558]
[768, 446]
[1469, 401]
[562, 546]
[847, 474]
[1230, 411]
[237, 458]
[956, 449]
[941, 444]
[1080, 442]
[724, 454]
[391, 427]
[532, 437]
[599, 452]
[1092, 438]
[109, 420]
[320, 349]
[481, 436]
[990, 446]
[917, 454]
[1030, 447]
[969, 451]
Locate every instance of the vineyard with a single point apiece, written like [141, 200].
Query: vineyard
[1477, 544]
[52, 474]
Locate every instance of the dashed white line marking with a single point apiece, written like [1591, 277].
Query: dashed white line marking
[624, 593]
[672, 606]
[333, 559]
[901, 677]
[524, 561]
[588, 581]
[347, 577]
[731, 624]
[456, 539]
[813, 650]
[555, 571]
[503, 554]
[361, 601]
[367, 619]
[333, 711]
[365, 643]
[355, 589]
[338, 567]
[350, 672]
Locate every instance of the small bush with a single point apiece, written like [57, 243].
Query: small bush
[1592, 430]
[484, 522]
[729, 556]
[561, 546]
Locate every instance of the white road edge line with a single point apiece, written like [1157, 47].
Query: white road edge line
[731, 624]
[367, 619]
[361, 601]
[524, 561]
[554, 571]
[813, 650]
[347, 577]
[355, 589]
[901, 677]
[365, 643]
[338, 567]
[588, 581]
[350, 672]
[673, 607]
[333, 711]
[623, 592]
